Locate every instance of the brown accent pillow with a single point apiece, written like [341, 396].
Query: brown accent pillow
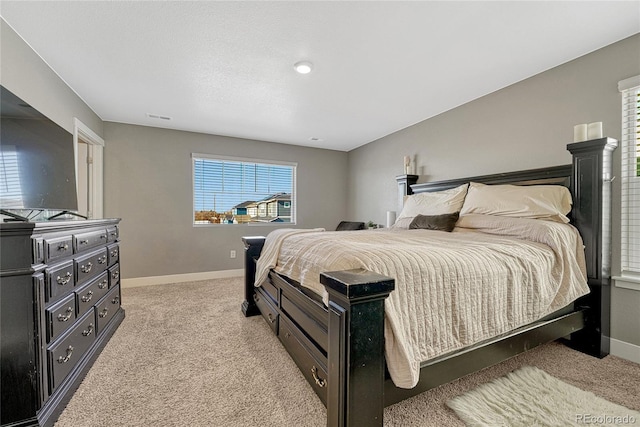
[444, 222]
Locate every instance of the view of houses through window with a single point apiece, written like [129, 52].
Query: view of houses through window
[242, 191]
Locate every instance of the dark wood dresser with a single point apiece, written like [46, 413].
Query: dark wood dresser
[59, 305]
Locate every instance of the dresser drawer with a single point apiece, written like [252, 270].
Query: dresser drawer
[60, 279]
[60, 317]
[312, 367]
[58, 248]
[88, 266]
[266, 308]
[113, 233]
[89, 294]
[113, 254]
[69, 349]
[114, 275]
[88, 240]
[107, 308]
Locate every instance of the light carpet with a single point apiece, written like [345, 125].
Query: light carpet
[531, 397]
[186, 356]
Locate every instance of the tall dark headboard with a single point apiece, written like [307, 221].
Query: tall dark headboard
[559, 175]
[589, 180]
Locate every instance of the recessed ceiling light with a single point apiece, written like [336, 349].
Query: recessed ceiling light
[303, 67]
[315, 139]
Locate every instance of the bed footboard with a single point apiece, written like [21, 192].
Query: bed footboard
[252, 249]
[355, 337]
[356, 347]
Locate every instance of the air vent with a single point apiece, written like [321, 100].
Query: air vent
[159, 117]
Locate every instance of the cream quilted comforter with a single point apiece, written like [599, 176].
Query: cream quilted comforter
[489, 276]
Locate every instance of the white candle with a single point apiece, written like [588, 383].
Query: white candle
[594, 130]
[580, 133]
[391, 218]
[407, 165]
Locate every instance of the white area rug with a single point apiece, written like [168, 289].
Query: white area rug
[531, 397]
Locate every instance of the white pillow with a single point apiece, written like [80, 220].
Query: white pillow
[548, 202]
[435, 203]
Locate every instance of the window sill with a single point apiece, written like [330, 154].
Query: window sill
[246, 224]
[627, 282]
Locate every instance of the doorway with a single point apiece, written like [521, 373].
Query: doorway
[88, 147]
[83, 178]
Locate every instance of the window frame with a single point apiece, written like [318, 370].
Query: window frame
[214, 157]
[629, 276]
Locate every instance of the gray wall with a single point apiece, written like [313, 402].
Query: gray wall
[524, 126]
[25, 74]
[148, 183]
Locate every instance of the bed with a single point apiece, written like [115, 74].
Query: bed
[337, 337]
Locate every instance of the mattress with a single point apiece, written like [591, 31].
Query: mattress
[453, 289]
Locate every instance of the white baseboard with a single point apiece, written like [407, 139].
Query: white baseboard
[625, 350]
[179, 278]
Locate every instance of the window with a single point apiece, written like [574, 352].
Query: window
[242, 191]
[630, 225]
[10, 189]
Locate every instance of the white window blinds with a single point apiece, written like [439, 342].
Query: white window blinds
[241, 191]
[630, 171]
[10, 188]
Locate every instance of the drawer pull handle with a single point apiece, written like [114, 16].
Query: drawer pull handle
[116, 300]
[88, 331]
[103, 236]
[104, 312]
[64, 279]
[115, 274]
[67, 357]
[83, 242]
[102, 259]
[86, 268]
[63, 247]
[271, 318]
[103, 284]
[65, 317]
[87, 297]
[113, 234]
[319, 382]
[287, 334]
[114, 253]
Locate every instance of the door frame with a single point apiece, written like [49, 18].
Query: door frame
[95, 169]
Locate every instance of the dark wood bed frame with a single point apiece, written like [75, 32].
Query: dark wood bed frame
[340, 348]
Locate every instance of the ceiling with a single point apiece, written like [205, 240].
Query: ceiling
[226, 68]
